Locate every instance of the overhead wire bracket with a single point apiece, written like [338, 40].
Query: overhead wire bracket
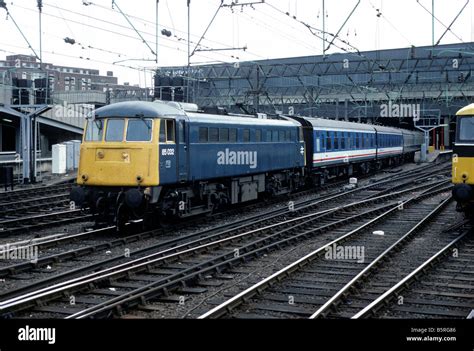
[4, 6]
[114, 3]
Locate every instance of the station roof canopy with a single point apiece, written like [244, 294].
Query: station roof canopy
[43, 120]
[9, 111]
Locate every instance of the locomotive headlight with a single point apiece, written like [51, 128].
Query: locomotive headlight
[139, 178]
[84, 177]
[465, 176]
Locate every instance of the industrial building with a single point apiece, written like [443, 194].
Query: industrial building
[45, 104]
[385, 86]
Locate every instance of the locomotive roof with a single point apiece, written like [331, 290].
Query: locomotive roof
[209, 118]
[466, 111]
[141, 109]
[138, 109]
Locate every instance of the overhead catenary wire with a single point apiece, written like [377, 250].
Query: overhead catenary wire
[179, 42]
[173, 28]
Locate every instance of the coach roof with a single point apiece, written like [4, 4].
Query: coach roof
[336, 124]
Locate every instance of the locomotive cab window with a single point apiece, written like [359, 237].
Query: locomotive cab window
[139, 130]
[466, 129]
[94, 130]
[115, 128]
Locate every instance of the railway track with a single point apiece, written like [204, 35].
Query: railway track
[168, 238]
[28, 210]
[41, 221]
[329, 199]
[35, 192]
[15, 209]
[318, 286]
[439, 287]
[156, 274]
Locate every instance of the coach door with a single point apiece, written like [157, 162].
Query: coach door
[182, 150]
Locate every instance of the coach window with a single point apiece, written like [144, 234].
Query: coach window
[94, 130]
[357, 143]
[203, 135]
[258, 135]
[115, 128]
[328, 142]
[336, 140]
[233, 135]
[224, 134]
[139, 130]
[213, 135]
[343, 141]
[287, 136]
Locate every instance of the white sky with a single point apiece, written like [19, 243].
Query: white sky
[266, 32]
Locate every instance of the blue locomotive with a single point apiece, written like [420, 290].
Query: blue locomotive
[152, 160]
